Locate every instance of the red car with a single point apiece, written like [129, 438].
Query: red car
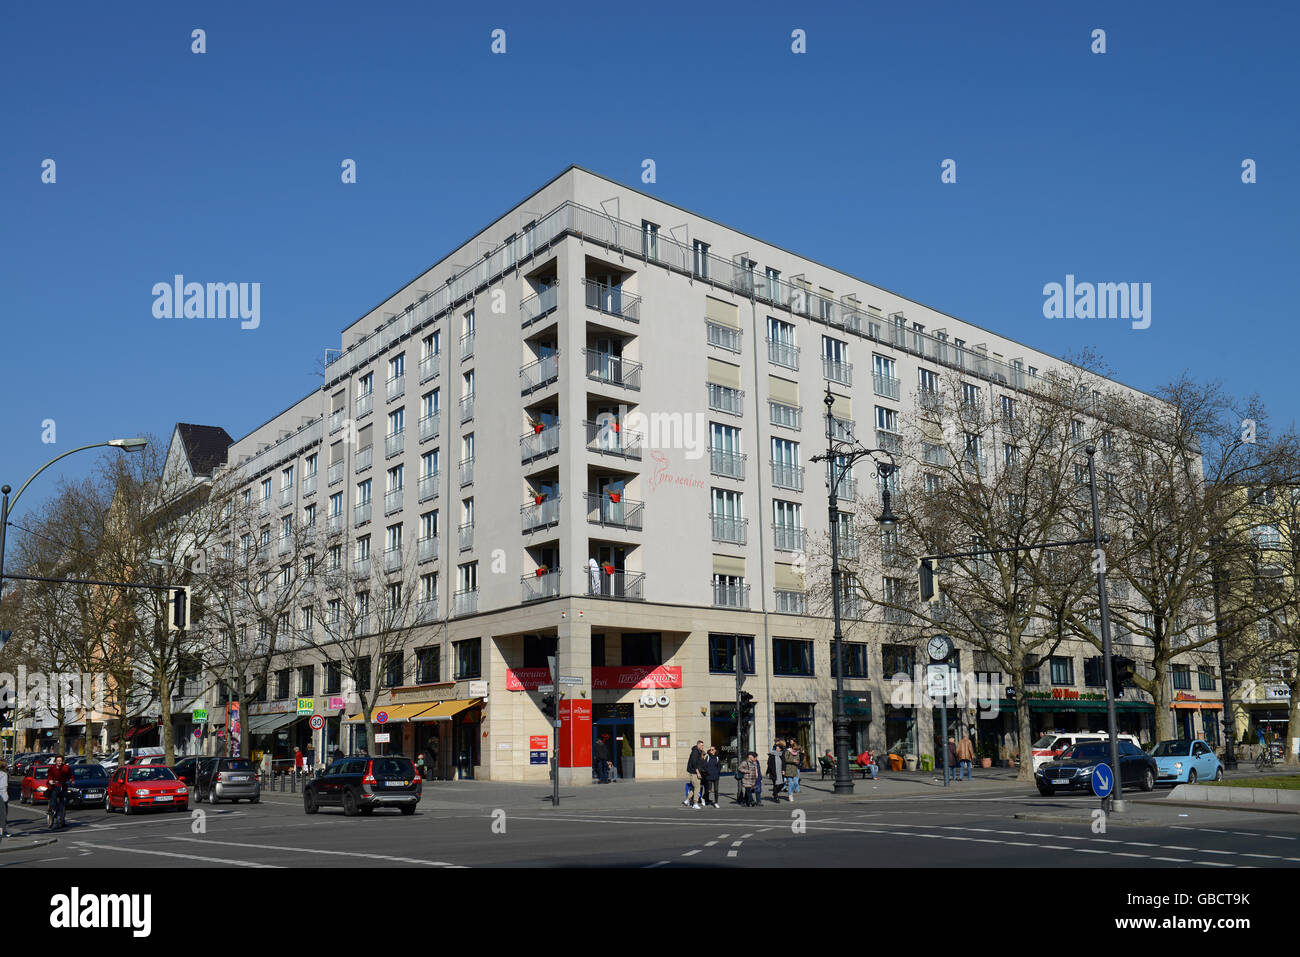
[137, 787]
[33, 787]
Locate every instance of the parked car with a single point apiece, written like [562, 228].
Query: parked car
[185, 768]
[33, 786]
[23, 763]
[89, 783]
[359, 784]
[135, 788]
[1073, 770]
[1185, 762]
[227, 779]
[1051, 746]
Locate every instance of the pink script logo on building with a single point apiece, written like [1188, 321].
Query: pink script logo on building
[662, 475]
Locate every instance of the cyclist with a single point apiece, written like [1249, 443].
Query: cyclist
[56, 789]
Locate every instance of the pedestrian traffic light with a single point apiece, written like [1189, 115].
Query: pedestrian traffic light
[548, 705]
[929, 584]
[747, 706]
[1121, 672]
[178, 608]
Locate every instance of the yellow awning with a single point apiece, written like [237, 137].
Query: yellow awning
[448, 709]
[395, 712]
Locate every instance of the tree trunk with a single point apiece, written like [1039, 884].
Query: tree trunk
[1024, 746]
[1159, 692]
[165, 716]
[1293, 727]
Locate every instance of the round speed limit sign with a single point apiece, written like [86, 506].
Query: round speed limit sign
[317, 722]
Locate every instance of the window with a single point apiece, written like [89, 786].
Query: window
[722, 654]
[429, 587]
[308, 618]
[1008, 408]
[336, 503]
[649, 239]
[1205, 678]
[366, 385]
[428, 665]
[1077, 430]
[792, 657]
[429, 524]
[1182, 677]
[393, 598]
[773, 279]
[266, 489]
[334, 557]
[309, 515]
[886, 419]
[467, 657]
[363, 548]
[333, 678]
[855, 660]
[1094, 675]
[361, 673]
[701, 258]
[393, 669]
[1031, 669]
[431, 345]
[282, 684]
[928, 383]
[537, 648]
[306, 681]
[597, 650]
[363, 492]
[430, 404]
[642, 649]
[397, 366]
[396, 422]
[970, 395]
[932, 482]
[286, 478]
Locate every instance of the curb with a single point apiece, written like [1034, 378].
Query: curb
[27, 847]
[1244, 808]
[1111, 819]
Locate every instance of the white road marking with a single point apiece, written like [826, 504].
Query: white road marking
[313, 850]
[689, 853]
[657, 864]
[737, 843]
[732, 853]
[187, 857]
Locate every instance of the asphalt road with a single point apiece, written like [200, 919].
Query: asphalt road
[643, 825]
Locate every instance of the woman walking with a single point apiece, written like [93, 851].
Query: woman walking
[790, 769]
[749, 777]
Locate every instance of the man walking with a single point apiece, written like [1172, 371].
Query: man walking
[711, 770]
[790, 769]
[693, 788]
[952, 758]
[965, 755]
[602, 758]
[774, 767]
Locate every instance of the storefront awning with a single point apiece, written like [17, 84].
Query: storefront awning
[447, 710]
[1053, 704]
[395, 712]
[270, 723]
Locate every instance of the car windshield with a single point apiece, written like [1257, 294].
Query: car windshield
[89, 772]
[1092, 750]
[41, 770]
[151, 773]
[1045, 741]
[1167, 748]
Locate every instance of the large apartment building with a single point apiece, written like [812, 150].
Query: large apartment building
[595, 421]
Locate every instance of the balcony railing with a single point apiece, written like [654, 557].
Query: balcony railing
[729, 529]
[393, 501]
[788, 476]
[428, 486]
[541, 514]
[929, 400]
[729, 464]
[361, 567]
[722, 337]
[429, 426]
[629, 586]
[466, 471]
[264, 506]
[426, 549]
[851, 605]
[336, 419]
[895, 616]
[612, 300]
[934, 454]
[613, 370]
[545, 585]
[975, 461]
[336, 472]
[464, 603]
[365, 403]
[394, 443]
[848, 544]
[361, 514]
[788, 416]
[843, 430]
[537, 374]
[467, 408]
[396, 387]
[467, 345]
[603, 510]
[285, 544]
[429, 367]
[334, 524]
[466, 536]
[309, 484]
[611, 438]
[364, 458]
[889, 441]
[392, 559]
[728, 595]
[534, 307]
[837, 371]
[791, 602]
[536, 445]
[886, 385]
[782, 354]
[286, 497]
[427, 610]
[726, 399]
[788, 538]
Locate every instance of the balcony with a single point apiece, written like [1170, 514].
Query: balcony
[336, 419]
[264, 506]
[396, 387]
[392, 560]
[334, 524]
[539, 444]
[545, 585]
[464, 603]
[851, 605]
[886, 385]
[429, 426]
[616, 583]
[895, 616]
[467, 408]
[541, 514]
[613, 370]
[537, 306]
[729, 464]
[426, 549]
[394, 443]
[843, 430]
[467, 346]
[466, 536]
[309, 484]
[729, 529]
[361, 514]
[837, 371]
[722, 337]
[603, 510]
[286, 497]
[336, 472]
[393, 501]
[428, 486]
[537, 374]
[429, 367]
[787, 416]
[783, 354]
[791, 602]
[848, 544]
[364, 458]
[285, 544]
[788, 538]
[726, 399]
[612, 300]
[610, 438]
[934, 454]
[427, 610]
[787, 476]
[365, 403]
[889, 441]
[466, 472]
[929, 400]
[361, 567]
[730, 595]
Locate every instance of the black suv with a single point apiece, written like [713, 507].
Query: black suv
[359, 784]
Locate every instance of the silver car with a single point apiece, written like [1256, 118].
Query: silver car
[228, 779]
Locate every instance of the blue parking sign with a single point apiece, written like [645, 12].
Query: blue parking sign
[1103, 780]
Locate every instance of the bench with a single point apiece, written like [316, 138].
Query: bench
[854, 768]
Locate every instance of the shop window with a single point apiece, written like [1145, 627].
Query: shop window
[792, 657]
[796, 721]
[722, 654]
[537, 648]
[642, 649]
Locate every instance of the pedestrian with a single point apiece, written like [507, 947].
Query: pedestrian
[693, 789]
[965, 755]
[758, 779]
[774, 769]
[952, 758]
[338, 753]
[421, 766]
[790, 769]
[711, 772]
[309, 756]
[601, 754]
[299, 762]
[865, 760]
[749, 777]
[4, 799]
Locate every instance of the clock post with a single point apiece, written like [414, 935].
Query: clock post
[941, 648]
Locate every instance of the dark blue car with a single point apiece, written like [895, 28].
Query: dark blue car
[1072, 771]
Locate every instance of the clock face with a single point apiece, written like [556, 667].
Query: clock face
[940, 647]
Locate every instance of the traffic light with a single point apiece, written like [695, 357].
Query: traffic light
[178, 608]
[929, 584]
[1121, 673]
[746, 706]
[548, 705]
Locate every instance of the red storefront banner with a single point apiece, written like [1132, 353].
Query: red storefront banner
[527, 679]
[575, 733]
[613, 679]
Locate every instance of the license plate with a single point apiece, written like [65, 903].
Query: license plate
[239, 777]
[1060, 781]
[163, 797]
[94, 794]
[399, 784]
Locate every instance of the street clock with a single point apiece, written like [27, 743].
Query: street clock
[940, 648]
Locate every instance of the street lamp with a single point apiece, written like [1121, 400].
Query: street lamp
[1229, 723]
[849, 452]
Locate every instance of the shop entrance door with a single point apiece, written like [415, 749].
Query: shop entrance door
[615, 723]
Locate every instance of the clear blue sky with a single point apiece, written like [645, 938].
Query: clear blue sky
[225, 167]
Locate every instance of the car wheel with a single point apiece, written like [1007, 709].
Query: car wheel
[367, 811]
[1191, 776]
[349, 804]
[1148, 780]
[1218, 775]
[255, 800]
[126, 804]
[309, 803]
[212, 796]
[108, 807]
[408, 809]
[1046, 791]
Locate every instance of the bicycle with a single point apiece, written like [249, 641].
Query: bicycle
[56, 817]
[1266, 759]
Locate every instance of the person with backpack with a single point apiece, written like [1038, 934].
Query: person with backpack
[790, 770]
[694, 788]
